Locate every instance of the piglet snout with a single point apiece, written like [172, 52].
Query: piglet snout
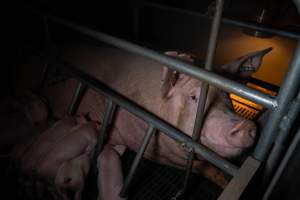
[242, 135]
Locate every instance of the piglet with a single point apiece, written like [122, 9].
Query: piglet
[61, 155]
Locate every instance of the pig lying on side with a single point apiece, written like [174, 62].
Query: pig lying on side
[168, 94]
[61, 155]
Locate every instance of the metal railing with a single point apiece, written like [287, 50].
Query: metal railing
[263, 28]
[278, 105]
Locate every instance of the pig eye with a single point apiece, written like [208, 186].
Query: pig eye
[194, 98]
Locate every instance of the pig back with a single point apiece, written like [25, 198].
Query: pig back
[131, 75]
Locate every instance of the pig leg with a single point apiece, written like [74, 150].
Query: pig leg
[110, 178]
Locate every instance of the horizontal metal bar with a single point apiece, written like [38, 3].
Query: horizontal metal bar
[79, 92]
[151, 130]
[150, 118]
[239, 183]
[194, 71]
[227, 21]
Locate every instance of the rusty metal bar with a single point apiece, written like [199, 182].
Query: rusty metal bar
[151, 130]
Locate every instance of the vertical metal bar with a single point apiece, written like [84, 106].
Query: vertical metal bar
[205, 87]
[105, 126]
[278, 148]
[282, 165]
[151, 130]
[286, 93]
[79, 92]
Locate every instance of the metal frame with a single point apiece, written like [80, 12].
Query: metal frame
[285, 127]
[224, 20]
[278, 105]
[212, 44]
[189, 69]
[282, 165]
[150, 118]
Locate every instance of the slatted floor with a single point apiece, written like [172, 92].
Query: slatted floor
[159, 182]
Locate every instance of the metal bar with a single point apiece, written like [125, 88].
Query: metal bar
[215, 29]
[103, 133]
[279, 145]
[240, 181]
[151, 130]
[226, 21]
[150, 118]
[282, 165]
[79, 92]
[194, 71]
[286, 93]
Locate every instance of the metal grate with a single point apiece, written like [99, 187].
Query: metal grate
[159, 182]
[246, 108]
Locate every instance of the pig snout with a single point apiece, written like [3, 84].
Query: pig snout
[242, 135]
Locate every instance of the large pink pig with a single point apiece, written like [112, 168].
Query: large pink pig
[173, 97]
[166, 93]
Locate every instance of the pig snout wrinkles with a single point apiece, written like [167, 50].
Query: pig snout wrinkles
[242, 135]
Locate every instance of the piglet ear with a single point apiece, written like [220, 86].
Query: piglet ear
[246, 65]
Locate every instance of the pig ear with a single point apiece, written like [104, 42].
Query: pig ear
[169, 76]
[246, 65]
